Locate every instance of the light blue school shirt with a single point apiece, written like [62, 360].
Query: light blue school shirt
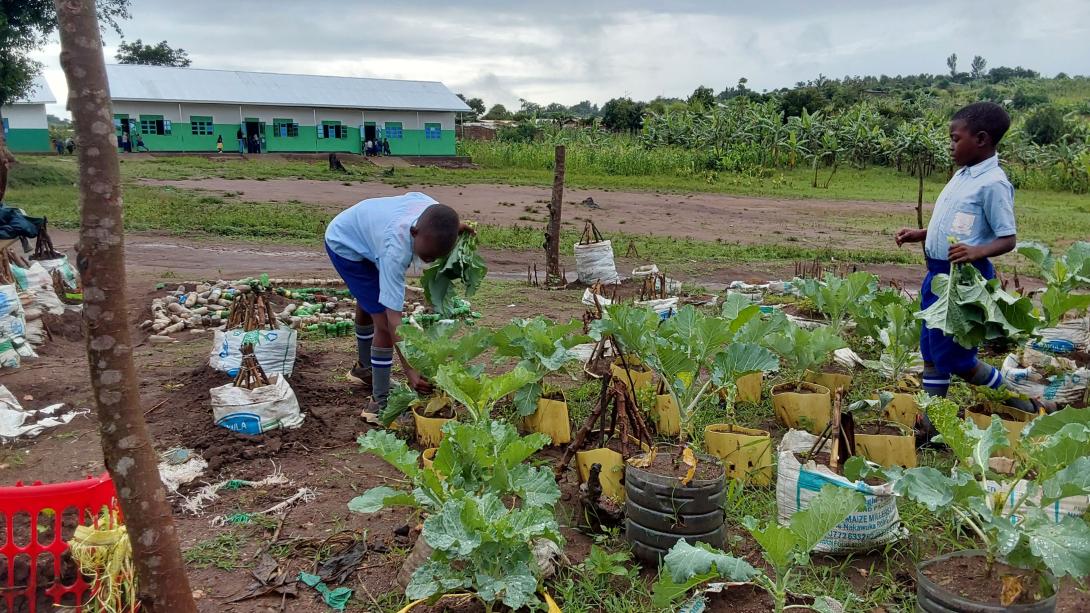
[976, 207]
[377, 229]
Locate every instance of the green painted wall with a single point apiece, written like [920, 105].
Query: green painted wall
[181, 138]
[28, 140]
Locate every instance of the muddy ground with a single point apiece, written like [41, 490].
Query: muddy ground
[322, 454]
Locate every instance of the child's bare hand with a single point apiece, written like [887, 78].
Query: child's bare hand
[960, 253]
[464, 228]
[909, 235]
[419, 383]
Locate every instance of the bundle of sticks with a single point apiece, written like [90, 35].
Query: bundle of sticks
[250, 374]
[623, 422]
[251, 310]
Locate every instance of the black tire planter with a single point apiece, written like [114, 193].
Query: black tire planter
[933, 598]
[659, 511]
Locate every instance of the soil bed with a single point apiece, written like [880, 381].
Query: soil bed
[968, 577]
[667, 462]
[882, 428]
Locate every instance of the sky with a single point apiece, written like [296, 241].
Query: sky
[567, 51]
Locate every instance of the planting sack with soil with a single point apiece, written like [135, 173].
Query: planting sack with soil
[37, 281]
[275, 350]
[258, 410]
[1061, 388]
[594, 258]
[876, 525]
[13, 343]
[746, 453]
[1068, 336]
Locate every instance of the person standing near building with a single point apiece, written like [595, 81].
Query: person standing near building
[59, 146]
[385, 146]
[255, 145]
[241, 141]
[140, 143]
[126, 146]
[70, 145]
[219, 144]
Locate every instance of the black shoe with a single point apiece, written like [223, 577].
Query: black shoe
[360, 377]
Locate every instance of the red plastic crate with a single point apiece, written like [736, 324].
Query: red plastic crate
[87, 497]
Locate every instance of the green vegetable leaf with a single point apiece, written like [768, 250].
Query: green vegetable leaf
[987, 440]
[972, 309]
[480, 392]
[630, 326]
[463, 264]
[1057, 303]
[536, 486]
[1063, 546]
[397, 403]
[378, 498]
[684, 561]
[934, 489]
[740, 359]
[943, 414]
[829, 508]
[1052, 423]
[395, 451]
[455, 529]
[513, 585]
[434, 577]
[1074, 480]
[780, 543]
[1051, 454]
[805, 349]
[666, 591]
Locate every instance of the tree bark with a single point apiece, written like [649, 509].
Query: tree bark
[919, 200]
[6, 160]
[552, 235]
[126, 444]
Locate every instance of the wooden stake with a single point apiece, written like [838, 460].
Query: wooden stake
[553, 276]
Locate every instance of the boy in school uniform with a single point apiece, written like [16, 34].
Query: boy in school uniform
[976, 208]
[371, 245]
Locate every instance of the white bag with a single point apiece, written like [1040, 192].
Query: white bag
[274, 349]
[1067, 337]
[258, 410]
[13, 343]
[665, 307]
[1063, 388]
[877, 525]
[594, 263]
[37, 281]
[67, 272]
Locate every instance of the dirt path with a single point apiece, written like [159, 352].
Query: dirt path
[706, 217]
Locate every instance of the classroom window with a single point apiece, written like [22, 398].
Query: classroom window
[285, 128]
[393, 130]
[154, 124]
[200, 126]
[334, 129]
[433, 131]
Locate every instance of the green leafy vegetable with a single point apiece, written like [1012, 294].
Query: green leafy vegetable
[483, 515]
[1016, 521]
[784, 547]
[972, 309]
[463, 264]
[804, 349]
[541, 347]
[900, 340]
[835, 296]
[480, 392]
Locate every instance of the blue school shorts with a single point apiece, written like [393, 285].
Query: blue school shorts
[937, 348]
[362, 281]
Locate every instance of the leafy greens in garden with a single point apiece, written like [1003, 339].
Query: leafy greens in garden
[463, 264]
[1063, 275]
[541, 347]
[973, 309]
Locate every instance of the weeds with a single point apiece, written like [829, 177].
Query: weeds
[221, 552]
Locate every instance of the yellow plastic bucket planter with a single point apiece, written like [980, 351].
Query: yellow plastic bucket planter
[746, 453]
[830, 380]
[903, 409]
[809, 411]
[612, 474]
[551, 419]
[888, 450]
[641, 377]
[1013, 421]
[429, 430]
[665, 413]
[749, 387]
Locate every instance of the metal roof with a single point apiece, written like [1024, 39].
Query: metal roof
[169, 84]
[39, 93]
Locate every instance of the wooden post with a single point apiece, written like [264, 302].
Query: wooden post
[126, 444]
[553, 277]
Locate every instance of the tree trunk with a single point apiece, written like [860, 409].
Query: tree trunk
[552, 235]
[919, 201]
[126, 444]
[6, 160]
